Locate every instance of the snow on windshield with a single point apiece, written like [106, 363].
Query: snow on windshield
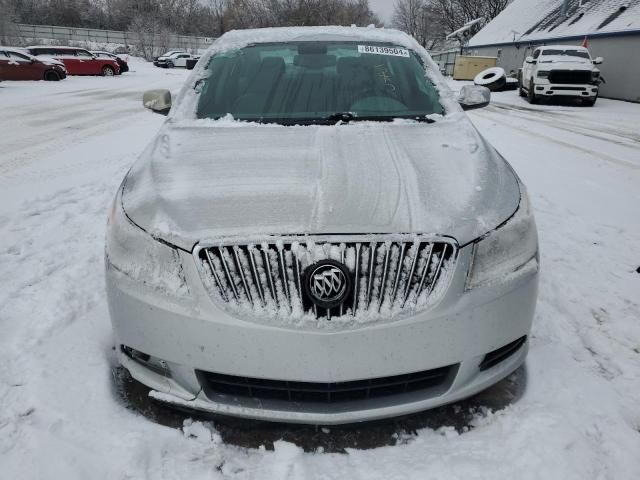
[187, 101]
[311, 81]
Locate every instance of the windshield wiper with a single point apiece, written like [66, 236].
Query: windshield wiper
[335, 118]
[346, 117]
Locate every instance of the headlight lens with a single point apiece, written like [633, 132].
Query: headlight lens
[543, 74]
[136, 254]
[511, 249]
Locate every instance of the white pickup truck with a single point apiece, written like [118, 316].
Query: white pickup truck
[560, 70]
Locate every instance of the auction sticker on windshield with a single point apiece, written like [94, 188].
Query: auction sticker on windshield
[393, 51]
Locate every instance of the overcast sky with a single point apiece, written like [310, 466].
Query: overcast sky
[384, 9]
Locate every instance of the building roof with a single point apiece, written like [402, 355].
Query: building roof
[539, 20]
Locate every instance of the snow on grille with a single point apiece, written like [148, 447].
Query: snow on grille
[388, 276]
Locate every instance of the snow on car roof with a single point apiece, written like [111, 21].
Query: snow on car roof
[565, 47]
[239, 38]
[13, 49]
[56, 47]
[531, 20]
[19, 50]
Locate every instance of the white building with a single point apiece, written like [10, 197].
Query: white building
[611, 28]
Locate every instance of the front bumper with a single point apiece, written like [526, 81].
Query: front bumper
[563, 90]
[195, 334]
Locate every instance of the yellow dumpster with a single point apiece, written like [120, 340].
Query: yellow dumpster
[467, 66]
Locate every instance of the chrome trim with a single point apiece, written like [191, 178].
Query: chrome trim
[388, 278]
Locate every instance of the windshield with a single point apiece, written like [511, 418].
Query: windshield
[316, 82]
[569, 53]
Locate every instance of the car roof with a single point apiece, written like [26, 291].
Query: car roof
[56, 47]
[237, 39]
[19, 50]
[13, 49]
[564, 47]
[330, 33]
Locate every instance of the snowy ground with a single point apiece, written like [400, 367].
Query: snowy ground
[64, 148]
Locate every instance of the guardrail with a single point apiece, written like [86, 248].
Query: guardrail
[69, 34]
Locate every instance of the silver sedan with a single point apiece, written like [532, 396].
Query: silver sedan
[318, 235]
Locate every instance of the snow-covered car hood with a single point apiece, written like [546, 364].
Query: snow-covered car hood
[205, 180]
[50, 60]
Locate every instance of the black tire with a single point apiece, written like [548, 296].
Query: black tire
[108, 71]
[589, 102]
[498, 85]
[51, 76]
[170, 65]
[532, 97]
[521, 90]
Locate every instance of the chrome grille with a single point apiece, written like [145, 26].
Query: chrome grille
[570, 76]
[390, 274]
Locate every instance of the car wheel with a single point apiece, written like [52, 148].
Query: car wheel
[51, 76]
[521, 90]
[589, 102]
[532, 97]
[108, 71]
[170, 65]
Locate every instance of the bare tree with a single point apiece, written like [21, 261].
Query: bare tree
[418, 19]
[455, 13]
[8, 30]
[218, 9]
[429, 21]
[191, 17]
[151, 37]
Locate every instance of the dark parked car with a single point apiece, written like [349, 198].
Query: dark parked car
[78, 61]
[18, 65]
[122, 63]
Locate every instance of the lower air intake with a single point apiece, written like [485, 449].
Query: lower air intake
[491, 359]
[215, 384]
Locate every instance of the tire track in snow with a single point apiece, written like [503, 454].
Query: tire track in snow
[589, 129]
[31, 149]
[492, 116]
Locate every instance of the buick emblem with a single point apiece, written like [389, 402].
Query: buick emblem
[327, 283]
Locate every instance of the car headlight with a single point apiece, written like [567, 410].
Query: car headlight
[136, 254]
[509, 250]
[543, 74]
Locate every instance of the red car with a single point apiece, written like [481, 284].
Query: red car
[78, 61]
[18, 65]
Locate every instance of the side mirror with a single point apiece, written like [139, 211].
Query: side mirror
[474, 96]
[598, 60]
[158, 101]
[530, 59]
